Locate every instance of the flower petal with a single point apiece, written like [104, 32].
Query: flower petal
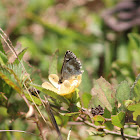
[53, 78]
[67, 87]
[48, 86]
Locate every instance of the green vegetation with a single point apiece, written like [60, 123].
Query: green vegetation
[34, 38]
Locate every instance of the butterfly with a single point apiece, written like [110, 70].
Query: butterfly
[71, 67]
[70, 77]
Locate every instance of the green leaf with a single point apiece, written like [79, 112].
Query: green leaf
[108, 124]
[134, 40]
[114, 111]
[122, 52]
[3, 58]
[63, 120]
[86, 83]
[135, 89]
[106, 114]
[105, 93]
[94, 102]
[36, 100]
[15, 73]
[75, 96]
[20, 56]
[119, 119]
[122, 70]
[136, 109]
[12, 71]
[99, 118]
[9, 82]
[51, 93]
[53, 63]
[86, 97]
[134, 48]
[128, 102]
[123, 92]
[1, 48]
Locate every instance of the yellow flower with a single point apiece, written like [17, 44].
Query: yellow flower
[67, 87]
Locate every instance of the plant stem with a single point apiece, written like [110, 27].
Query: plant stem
[122, 134]
[110, 132]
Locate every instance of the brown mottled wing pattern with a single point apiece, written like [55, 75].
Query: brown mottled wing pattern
[71, 67]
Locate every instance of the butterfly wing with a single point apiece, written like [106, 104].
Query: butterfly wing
[71, 67]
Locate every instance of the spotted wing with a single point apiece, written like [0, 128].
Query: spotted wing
[71, 67]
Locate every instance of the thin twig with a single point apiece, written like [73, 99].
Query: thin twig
[94, 126]
[75, 123]
[68, 138]
[107, 119]
[18, 131]
[35, 104]
[110, 132]
[40, 127]
[130, 126]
